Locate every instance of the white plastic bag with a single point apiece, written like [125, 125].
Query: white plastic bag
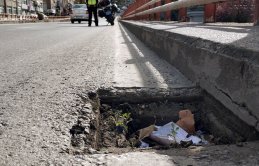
[171, 133]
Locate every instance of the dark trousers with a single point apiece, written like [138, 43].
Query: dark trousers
[91, 10]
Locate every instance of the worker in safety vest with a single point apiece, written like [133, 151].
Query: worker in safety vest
[92, 8]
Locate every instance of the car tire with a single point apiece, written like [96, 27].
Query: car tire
[79, 22]
[72, 21]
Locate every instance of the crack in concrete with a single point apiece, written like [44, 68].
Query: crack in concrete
[242, 105]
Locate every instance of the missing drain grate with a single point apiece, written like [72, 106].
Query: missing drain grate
[119, 114]
[120, 122]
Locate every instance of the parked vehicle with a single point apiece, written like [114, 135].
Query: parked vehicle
[50, 12]
[79, 13]
[108, 12]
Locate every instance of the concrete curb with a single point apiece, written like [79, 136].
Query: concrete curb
[32, 21]
[226, 71]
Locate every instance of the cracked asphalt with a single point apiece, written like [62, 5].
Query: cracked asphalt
[43, 69]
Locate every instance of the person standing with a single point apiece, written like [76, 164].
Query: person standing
[92, 8]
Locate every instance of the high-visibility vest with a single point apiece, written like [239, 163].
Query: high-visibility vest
[91, 2]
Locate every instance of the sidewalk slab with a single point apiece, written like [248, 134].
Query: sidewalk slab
[137, 66]
[138, 71]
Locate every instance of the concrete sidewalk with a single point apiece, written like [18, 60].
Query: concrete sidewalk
[142, 68]
[238, 35]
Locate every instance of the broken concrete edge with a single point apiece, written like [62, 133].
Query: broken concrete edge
[84, 132]
[219, 121]
[226, 72]
[141, 95]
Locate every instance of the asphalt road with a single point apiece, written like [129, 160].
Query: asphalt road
[43, 69]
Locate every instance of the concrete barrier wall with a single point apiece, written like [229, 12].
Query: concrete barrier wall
[229, 74]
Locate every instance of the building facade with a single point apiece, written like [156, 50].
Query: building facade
[59, 7]
[21, 6]
[28, 7]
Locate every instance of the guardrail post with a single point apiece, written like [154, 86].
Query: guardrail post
[167, 13]
[158, 14]
[209, 13]
[146, 8]
[256, 17]
[149, 15]
[153, 14]
[138, 4]
[135, 7]
[182, 14]
[142, 3]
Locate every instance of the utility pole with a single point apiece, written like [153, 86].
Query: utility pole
[17, 7]
[5, 8]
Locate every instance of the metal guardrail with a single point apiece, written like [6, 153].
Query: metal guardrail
[143, 6]
[167, 7]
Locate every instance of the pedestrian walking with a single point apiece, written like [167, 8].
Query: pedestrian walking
[92, 9]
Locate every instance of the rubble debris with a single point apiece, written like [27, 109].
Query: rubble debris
[171, 133]
[145, 132]
[143, 145]
[186, 121]
[124, 125]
